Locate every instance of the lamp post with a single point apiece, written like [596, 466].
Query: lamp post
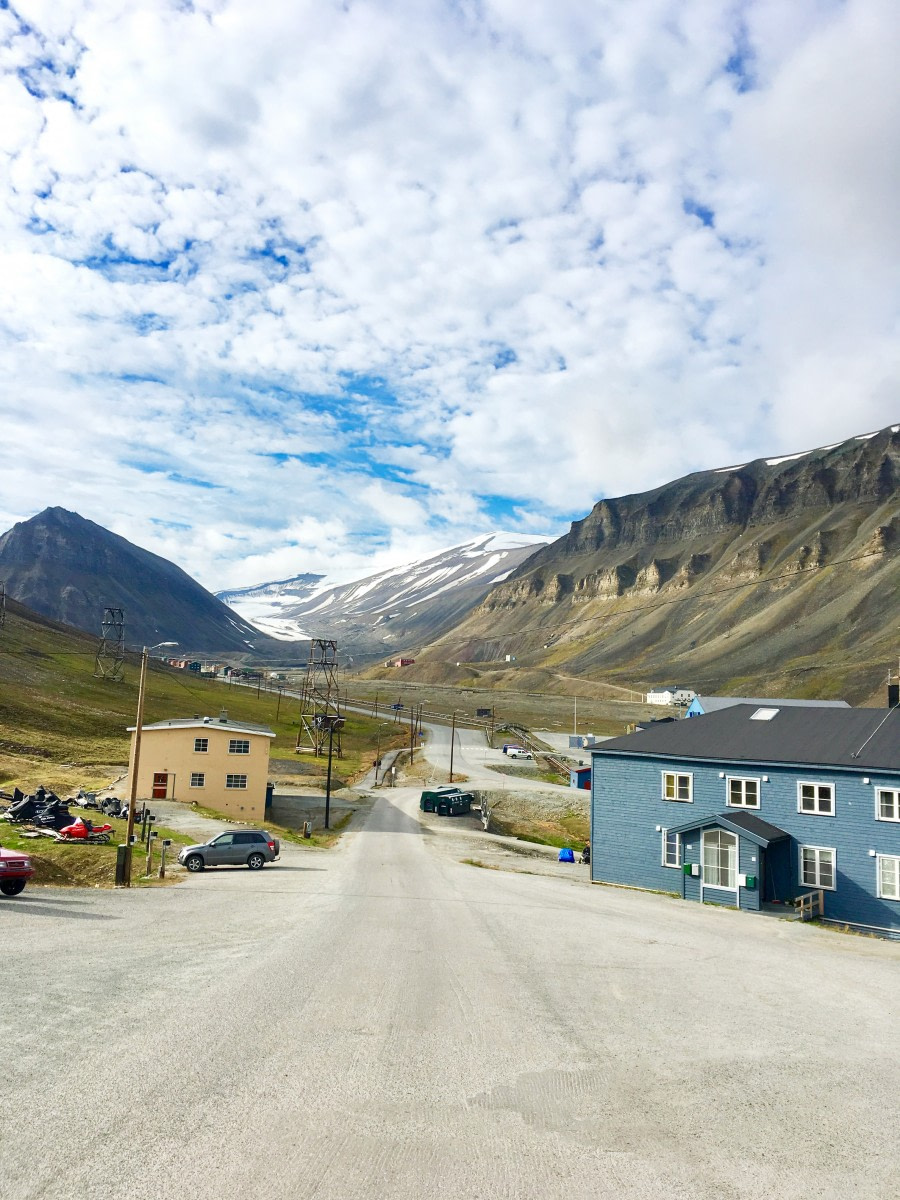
[129, 832]
[333, 723]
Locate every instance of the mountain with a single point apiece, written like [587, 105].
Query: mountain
[67, 568]
[405, 605]
[778, 576]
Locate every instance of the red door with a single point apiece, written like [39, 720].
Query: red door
[160, 785]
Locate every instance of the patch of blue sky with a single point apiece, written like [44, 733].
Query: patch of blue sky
[501, 511]
[740, 64]
[505, 356]
[116, 263]
[131, 378]
[694, 209]
[193, 481]
[143, 465]
[170, 524]
[146, 323]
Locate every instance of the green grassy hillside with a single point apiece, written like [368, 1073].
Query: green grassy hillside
[62, 727]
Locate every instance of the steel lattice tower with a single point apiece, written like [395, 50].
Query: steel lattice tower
[111, 651]
[319, 700]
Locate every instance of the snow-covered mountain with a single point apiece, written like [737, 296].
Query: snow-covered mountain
[400, 607]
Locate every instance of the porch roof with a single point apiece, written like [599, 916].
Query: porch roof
[743, 823]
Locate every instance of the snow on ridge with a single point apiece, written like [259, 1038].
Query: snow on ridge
[774, 462]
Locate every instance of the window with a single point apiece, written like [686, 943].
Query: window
[887, 804]
[671, 849]
[817, 867]
[743, 793]
[201, 745]
[235, 781]
[719, 859]
[198, 779]
[677, 787]
[239, 746]
[888, 877]
[816, 798]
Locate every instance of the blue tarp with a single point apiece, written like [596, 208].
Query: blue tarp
[566, 856]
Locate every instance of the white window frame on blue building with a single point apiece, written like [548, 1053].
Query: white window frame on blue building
[671, 850]
[820, 797]
[743, 781]
[817, 852]
[681, 781]
[893, 805]
[887, 876]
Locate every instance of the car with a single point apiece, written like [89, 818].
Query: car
[233, 848]
[517, 753]
[15, 871]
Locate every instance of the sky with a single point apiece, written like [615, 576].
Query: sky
[326, 286]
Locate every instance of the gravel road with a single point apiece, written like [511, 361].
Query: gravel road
[382, 1021]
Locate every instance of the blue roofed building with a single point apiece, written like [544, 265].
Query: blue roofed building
[756, 806]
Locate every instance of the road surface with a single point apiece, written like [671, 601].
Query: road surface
[384, 1021]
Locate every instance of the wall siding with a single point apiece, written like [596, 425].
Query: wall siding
[626, 846]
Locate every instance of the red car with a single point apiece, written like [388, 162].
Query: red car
[15, 871]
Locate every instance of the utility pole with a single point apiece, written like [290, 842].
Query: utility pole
[452, 743]
[412, 734]
[332, 722]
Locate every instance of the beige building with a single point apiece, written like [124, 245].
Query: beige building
[218, 763]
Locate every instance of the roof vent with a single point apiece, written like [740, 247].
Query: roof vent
[223, 717]
[764, 714]
[206, 720]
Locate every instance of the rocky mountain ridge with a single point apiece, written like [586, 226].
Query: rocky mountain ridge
[370, 617]
[67, 568]
[722, 577]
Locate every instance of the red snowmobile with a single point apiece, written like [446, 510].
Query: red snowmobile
[85, 831]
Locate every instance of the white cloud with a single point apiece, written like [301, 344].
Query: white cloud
[389, 274]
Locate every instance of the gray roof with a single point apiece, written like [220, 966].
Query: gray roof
[208, 723]
[857, 738]
[714, 703]
[744, 823]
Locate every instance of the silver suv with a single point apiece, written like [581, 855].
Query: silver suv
[234, 848]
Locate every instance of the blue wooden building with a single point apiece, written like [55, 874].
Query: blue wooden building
[752, 806]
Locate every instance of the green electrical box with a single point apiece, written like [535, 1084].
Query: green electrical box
[686, 867]
[751, 881]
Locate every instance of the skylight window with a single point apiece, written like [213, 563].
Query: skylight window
[764, 714]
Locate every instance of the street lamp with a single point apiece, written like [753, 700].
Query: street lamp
[333, 723]
[129, 832]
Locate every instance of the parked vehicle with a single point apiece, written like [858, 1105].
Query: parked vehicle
[234, 848]
[519, 753]
[85, 831]
[447, 801]
[15, 871]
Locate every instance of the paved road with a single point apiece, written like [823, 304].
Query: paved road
[383, 1021]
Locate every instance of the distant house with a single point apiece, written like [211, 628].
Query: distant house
[580, 777]
[673, 694]
[216, 762]
[701, 705]
[400, 662]
[754, 805]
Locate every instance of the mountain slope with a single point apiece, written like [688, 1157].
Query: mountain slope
[777, 575]
[407, 604]
[67, 568]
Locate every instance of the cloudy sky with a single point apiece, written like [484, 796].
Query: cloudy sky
[327, 284]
